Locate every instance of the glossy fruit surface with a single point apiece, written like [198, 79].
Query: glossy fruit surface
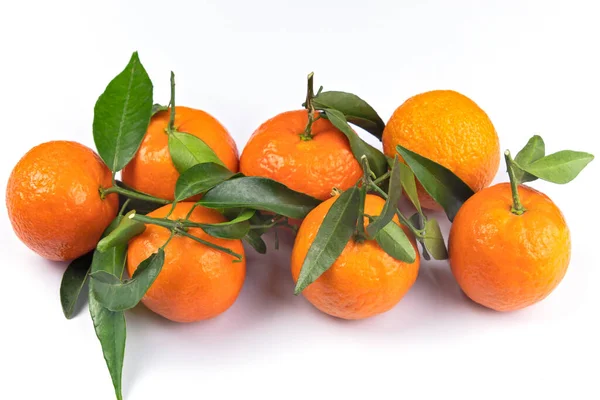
[196, 282]
[364, 281]
[450, 129]
[315, 166]
[505, 261]
[54, 202]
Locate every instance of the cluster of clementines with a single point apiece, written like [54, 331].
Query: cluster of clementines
[509, 245]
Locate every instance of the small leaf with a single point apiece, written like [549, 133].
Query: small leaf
[110, 326]
[533, 151]
[418, 221]
[331, 239]
[127, 229]
[259, 194]
[407, 178]
[561, 167]
[377, 161]
[237, 228]
[434, 240]
[393, 240]
[72, 282]
[188, 150]
[255, 240]
[389, 208]
[120, 296]
[443, 186]
[356, 110]
[156, 108]
[200, 178]
[122, 114]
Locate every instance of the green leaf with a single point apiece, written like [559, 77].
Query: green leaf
[255, 240]
[377, 161]
[561, 167]
[533, 151]
[259, 194]
[356, 110]
[156, 108]
[407, 179]
[200, 178]
[110, 326]
[72, 282]
[237, 228]
[332, 237]
[394, 242]
[127, 229]
[188, 150]
[122, 114]
[120, 296]
[434, 240]
[389, 208]
[418, 221]
[443, 186]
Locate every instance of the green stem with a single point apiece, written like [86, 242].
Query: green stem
[382, 178]
[401, 216]
[207, 243]
[165, 223]
[310, 93]
[517, 208]
[171, 125]
[132, 195]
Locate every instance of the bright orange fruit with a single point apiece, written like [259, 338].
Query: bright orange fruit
[450, 129]
[364, 280]
[196, 282]
[152, 171]
[54, 202]
[506, 261]
[314, 166]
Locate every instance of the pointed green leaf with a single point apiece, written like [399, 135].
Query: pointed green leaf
[110, 326]
[237, 228]
[188, 150]
[127, 229]
[409, 185]
[533, 151]
[389, 208]
[72, 282]
[434, 240]
[199, 179]
[255, 240]
[122, 114]
[332, 237]
[561, 167]
[395, 243]
[259, 194]
[418, 221]
[356, 110]
[447, 189]
[359, 147]
[120, 296]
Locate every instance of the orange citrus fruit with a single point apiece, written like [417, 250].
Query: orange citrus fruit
[314, 166]
[196, 282]
[152, 171]
[450, 129]
[364, 280]
[54, 202]
[506, 261]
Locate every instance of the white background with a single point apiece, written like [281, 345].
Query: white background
[532, 65]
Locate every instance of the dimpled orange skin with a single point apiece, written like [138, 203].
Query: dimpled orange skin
[314, 167]
[505, 261]
[196, 282]
[450, 129]
[364, 281]
[54, 203]
[152, 171]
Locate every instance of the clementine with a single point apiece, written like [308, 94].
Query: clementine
[152, 171]
[364, 280]
[506, 261]
[54, 202]
[196, 282]
[450, 129]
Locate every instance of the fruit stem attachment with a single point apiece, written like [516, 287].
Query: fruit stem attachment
[171, 125]
[132, 195]
[517, 208]
[310, 93]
